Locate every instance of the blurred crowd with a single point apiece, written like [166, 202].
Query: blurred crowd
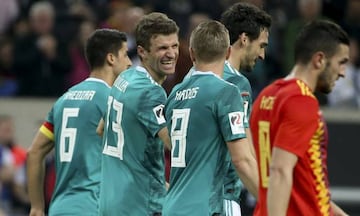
[41, 54]
[41, 42]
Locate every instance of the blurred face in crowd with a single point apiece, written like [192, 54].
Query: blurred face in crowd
[42, 22]
[162, 55]
[7, 131]
[254, 50]
[333, 70]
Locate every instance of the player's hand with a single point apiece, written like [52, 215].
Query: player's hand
[36, 212]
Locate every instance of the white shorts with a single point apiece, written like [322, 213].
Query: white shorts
[232, 208]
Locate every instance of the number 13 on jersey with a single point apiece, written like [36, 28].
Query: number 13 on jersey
[179, 126]
[115, 127]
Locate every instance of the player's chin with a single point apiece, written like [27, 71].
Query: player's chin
[168, 71]
[326, 89]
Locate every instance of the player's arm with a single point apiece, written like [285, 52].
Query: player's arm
[245, 164]
[250, 141]
[337, 210]
[41, 146]
[280, 181]
[100, 127]
[164, 136]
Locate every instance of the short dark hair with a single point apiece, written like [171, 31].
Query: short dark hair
[151, 25]
[245, 18]
[319, 35]
[102, 42]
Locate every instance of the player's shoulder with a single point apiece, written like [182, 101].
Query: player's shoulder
[297, 87]
[234, 76]
[140, 76]
[283, 91]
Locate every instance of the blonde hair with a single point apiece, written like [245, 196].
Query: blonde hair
[209, 41]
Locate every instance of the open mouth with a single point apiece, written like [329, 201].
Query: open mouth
[168, 64]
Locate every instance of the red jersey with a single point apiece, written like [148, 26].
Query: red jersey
[286, 114]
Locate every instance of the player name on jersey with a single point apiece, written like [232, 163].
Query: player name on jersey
[80, 95]
[121, 84]
[186, 94]
[267, 103]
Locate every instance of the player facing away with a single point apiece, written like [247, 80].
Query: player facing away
[249, 31]
[133, 179]
[205, 117]
[289, 131]
[70, 128]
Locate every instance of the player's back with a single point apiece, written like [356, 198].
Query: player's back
[75, 117]
[196, 111]
[133, 158]
[269, 125]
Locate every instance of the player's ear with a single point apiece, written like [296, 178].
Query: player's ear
[110, 58]
[228, 51]
[319, 60]
[192, 55]
[141, 51]
[243, 39]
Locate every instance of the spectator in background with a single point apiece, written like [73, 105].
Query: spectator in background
[308, 10]
[80, 69]
[40, 59]
[14, 192]
[6, 176]
[351, 22]
[9, 10]
[8, 83]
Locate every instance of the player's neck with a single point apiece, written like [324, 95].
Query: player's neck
[157, 77]
[215, 67]
[102, 74]
[234, 60]
[305, 74]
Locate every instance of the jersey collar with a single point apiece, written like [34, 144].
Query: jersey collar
[93, 79]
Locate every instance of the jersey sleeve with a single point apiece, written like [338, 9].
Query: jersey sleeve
[244, 87]
[246, 94]
[151, 109]
[230, 113]
[299, 121]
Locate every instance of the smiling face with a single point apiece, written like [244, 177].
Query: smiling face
[334, 69]
[254, 50]
[160, 60]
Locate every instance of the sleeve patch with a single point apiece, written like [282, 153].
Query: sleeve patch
[159, 114]
[236, 120]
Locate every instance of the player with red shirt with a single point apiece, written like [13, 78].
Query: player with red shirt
[289, 133]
